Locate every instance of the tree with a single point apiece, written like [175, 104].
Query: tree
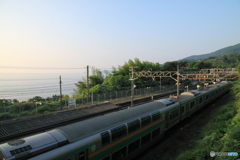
[37, 99]
[200, 65]
[81, 88]
[117, 82]
[141, 66]
[172, 66]
[15, 101]
[191, 64]
[100, 88]
[95, 79]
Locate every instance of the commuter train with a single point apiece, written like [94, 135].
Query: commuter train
[114, 136]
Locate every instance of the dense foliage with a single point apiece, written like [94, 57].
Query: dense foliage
[118, 79]
[225, 61]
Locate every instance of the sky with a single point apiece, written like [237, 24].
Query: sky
[67, 35]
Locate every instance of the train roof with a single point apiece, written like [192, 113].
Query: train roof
[79, 130]
[191, 93]
[166, 102]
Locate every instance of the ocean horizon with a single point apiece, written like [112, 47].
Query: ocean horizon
[23, 86]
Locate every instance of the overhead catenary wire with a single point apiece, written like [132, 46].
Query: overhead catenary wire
[45, 85]
[37, 88]
[36, 91]
[53, 68]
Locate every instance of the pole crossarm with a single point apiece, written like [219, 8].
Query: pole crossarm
[132, 73]
[215, 73]
[154, 74]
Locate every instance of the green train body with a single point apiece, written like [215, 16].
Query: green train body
[119, 135]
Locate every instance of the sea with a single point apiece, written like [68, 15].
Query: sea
[23, 86]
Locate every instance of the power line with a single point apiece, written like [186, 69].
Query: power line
[45, 85]
[33, 79]
[23, 94]
[16, 67]
[37, 88]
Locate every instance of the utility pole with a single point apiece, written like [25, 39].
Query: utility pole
[160, 83]
[131, 69]
[178, 81]
[87, 82]
[60, 83]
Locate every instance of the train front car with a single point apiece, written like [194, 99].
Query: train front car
[22, 149]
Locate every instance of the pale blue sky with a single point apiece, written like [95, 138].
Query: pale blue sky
[104, 33]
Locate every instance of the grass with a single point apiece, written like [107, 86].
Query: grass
[220, 134]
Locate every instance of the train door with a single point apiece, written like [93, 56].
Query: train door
[82, 155]
[187, 108]
[181, 111]
[166, 119]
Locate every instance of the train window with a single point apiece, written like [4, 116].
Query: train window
[81, 156]
[133, 146]
[207, 97]
[156, 116]
[155, 133]
[133, 126]
[200, 100]
[120, 154]
[177, 112]
[146, 120]
[106, 158]
[118, 132]
[192, 104]
[182, 109]
[174, 113]
[105, 138]
[146, 139]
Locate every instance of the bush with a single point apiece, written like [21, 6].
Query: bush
[221, 134]
[43, 108]
[7, 115]
[25, 113]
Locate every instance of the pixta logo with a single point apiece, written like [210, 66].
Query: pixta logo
[212, 154]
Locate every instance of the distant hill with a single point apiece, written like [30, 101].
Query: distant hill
[225, 61]
[218, 53]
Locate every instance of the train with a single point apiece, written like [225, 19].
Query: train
[114, 136]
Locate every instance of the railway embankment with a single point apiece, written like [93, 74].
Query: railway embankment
[216, 128]
[220, 134]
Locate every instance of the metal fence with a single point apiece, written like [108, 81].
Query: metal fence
[8, 110]
[119, 95]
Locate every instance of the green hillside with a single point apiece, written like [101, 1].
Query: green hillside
[224, 51]
[225, 61]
